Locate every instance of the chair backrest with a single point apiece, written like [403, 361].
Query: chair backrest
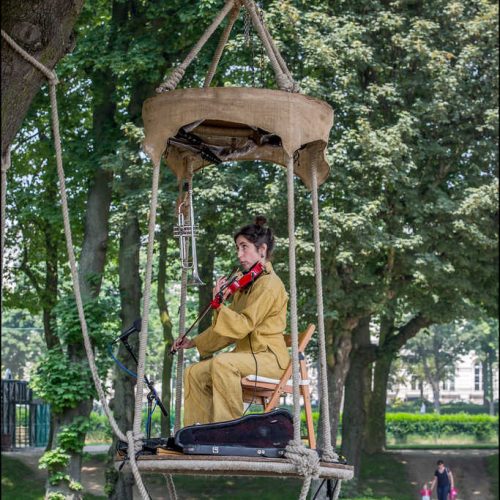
[304, 337]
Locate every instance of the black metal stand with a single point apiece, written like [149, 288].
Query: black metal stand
[152, 395]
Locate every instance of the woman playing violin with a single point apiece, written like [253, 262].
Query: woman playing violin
[254, 322]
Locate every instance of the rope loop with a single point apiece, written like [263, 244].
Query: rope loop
[305, 460]
[284, 83]
[172, 81]
[50, 75]
[329, 455]
[138, 441]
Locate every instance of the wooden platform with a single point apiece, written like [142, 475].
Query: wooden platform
[231, 466]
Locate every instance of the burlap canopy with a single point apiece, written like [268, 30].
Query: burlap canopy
[238, 124]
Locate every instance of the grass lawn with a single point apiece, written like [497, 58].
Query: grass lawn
[377, 478]
[19, 483]
[492, 462]
[430, 446]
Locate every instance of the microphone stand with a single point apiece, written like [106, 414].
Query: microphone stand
[152, 395]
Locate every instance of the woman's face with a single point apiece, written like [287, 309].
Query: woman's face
[248, 255]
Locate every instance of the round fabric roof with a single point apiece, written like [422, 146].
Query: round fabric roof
[202, 126]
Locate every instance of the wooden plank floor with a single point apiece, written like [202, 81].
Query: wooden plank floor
[232, 466]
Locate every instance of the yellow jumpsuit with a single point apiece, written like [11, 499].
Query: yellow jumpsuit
[255, 321]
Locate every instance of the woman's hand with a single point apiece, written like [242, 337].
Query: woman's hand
[218, 285]
[182, 343]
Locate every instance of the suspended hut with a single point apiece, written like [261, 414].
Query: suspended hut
[195, 127]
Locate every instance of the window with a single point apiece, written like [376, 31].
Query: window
[477, 377]
[413, 383]
[448, 385]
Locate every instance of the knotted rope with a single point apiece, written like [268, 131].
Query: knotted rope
[51, 76]
[306, 462]
[134, 446]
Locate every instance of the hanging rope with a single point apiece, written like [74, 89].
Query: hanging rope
[173, 80]
[305, 459]
[329, 454]
[51, 76]
[5, 167]
[284, 78]
[279, 58]
[182, 323]
[143, 337]
[283, 81]
[172, 493]
[180, 354]
[220, 47]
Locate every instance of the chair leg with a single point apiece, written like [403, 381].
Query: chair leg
[304, 389]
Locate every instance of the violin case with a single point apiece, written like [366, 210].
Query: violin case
[260, 435]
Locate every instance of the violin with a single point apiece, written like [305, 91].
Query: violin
[238, 282]
[235, 282]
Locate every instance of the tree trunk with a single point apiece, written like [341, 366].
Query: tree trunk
[357, 389]
[44, 29]
[51, 279]
[338, 367]
[75, 464]
[434, 383]
[390, 342]
[491, 357]
[375, 437]
[119, 485]
[207, 259]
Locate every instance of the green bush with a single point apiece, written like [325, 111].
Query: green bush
[469, 408]
[100, 429]
[446, 409]
[401, 425]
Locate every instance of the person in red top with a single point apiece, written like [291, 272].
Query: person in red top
[444, 479]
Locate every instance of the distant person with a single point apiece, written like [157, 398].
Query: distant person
[444, 479]
[422, 408]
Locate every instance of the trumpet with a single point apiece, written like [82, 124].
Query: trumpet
[187, 232]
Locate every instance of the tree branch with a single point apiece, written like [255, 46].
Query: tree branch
[395, 342]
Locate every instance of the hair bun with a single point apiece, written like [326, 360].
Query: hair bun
[260, 220]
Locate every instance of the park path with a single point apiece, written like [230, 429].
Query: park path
[468, 467]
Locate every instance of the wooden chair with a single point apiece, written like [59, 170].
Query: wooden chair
[267, 391]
